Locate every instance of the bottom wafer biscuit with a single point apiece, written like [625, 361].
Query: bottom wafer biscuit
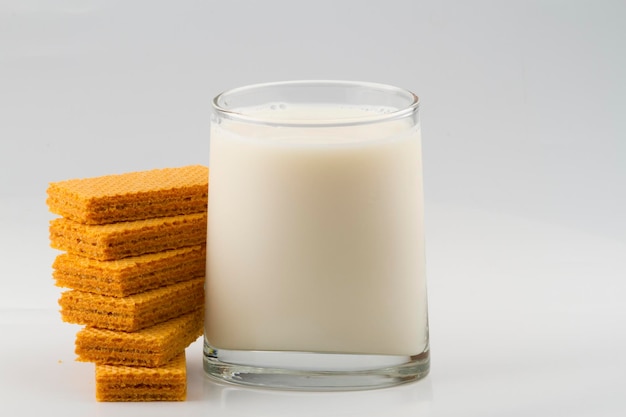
[153, 346]
[130, 383]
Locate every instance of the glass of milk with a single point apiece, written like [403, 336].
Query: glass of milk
[315, 244]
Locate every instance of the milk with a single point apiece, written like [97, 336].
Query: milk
[315, 238]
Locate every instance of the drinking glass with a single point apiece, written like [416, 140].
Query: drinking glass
[315, 242]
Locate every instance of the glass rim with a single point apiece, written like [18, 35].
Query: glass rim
[234, 114]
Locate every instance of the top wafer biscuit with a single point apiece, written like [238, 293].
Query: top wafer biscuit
[131, 196]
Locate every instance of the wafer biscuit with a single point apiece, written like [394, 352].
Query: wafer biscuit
[127, 276]
[120, 240]
[152, 346]
[130, 383]
[134, 312]
[131, 196]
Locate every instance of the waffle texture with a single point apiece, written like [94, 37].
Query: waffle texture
[150, 347]
[127, 276]
[128, 383]
[134, 262]
[131, 196]
[120, 240]
[134, 312]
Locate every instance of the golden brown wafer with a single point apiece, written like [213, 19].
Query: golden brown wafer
[127, 276]
[134, 312]
[150, 347]
[131, 196]
[120, 240]
[129, 383]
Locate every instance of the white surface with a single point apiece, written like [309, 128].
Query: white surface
[525, 171]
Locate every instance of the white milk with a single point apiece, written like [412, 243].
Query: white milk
[315, 239]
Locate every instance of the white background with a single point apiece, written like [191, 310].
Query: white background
[524, 133]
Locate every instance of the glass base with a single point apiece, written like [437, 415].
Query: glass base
[313, 371]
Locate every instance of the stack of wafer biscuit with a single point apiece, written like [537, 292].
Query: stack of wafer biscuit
[133, 263]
